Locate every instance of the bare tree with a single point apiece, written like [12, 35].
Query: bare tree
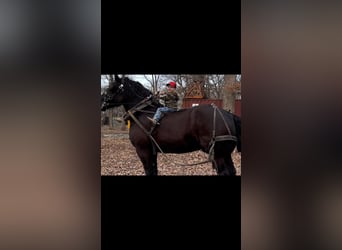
[231, 90]
[215, 86]
[154, 82]
[198, 78]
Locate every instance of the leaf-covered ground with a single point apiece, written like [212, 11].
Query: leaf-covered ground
[118, 157]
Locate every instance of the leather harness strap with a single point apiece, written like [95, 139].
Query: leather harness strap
[215, 138]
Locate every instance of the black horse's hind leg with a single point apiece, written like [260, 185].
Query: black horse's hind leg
[149, 161]
[223, 158]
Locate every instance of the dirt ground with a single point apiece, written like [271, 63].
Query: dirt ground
[118, 157]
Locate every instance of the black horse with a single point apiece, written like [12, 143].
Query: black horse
[204, 127]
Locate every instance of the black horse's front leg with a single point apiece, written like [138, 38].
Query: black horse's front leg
[230, 165]
[149, 160]
[225, 166]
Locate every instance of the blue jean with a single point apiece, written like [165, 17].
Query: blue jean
[159, 113]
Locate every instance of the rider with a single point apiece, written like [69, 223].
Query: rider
[170, 98]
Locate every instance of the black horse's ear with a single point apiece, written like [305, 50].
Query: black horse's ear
[117, 78]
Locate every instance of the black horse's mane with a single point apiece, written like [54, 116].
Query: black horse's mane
[136, 87]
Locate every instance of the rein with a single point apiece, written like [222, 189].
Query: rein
[139, 107]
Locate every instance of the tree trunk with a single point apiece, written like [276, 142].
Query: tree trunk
[229, 97]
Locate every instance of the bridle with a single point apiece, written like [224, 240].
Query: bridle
[112, 95]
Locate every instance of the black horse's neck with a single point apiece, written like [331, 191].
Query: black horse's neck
[134, 92]
[130, 103]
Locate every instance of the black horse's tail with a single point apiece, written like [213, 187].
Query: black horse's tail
[237, 121]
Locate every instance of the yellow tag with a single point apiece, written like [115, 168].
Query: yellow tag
[128, 124]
